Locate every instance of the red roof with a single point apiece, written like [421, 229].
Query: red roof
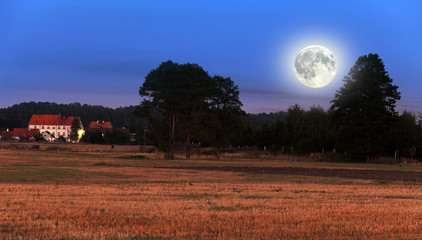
[100, 124]
[24, 132]
[4, 132]
[51, 120]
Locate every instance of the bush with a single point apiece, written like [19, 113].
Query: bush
[39, 138]
[23, 139]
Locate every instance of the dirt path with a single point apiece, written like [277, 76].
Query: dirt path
[320, 172]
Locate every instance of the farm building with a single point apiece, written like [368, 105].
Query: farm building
[100, 124]
[54, 125]
[19, 134]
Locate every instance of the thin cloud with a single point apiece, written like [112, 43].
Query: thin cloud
[282, 94]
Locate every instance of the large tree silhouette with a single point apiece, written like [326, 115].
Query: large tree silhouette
[173, 92]
[178, 96]
[364, 109]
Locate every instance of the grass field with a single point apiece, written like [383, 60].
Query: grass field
[95, 192]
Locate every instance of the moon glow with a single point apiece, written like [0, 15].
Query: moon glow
[315, 66]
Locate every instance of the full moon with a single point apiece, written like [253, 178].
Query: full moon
[315, 66]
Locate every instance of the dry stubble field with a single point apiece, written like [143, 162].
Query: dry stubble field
[93, 192]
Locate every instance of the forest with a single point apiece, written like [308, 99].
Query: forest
[297, 131]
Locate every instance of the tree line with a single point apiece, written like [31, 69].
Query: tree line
[183, 107]
[315, 131]
[18, 115]
[183, 103]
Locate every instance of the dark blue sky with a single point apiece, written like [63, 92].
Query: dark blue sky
[99, 52]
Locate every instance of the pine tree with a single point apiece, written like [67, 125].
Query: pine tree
[364, 109]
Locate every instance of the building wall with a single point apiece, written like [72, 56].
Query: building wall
[57, 130]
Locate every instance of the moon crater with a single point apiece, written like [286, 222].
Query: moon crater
[315, 66]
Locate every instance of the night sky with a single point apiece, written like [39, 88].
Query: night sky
[99, 52]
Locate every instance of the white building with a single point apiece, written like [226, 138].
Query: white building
[56, 125]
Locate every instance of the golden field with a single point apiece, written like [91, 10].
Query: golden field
[121, 194]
